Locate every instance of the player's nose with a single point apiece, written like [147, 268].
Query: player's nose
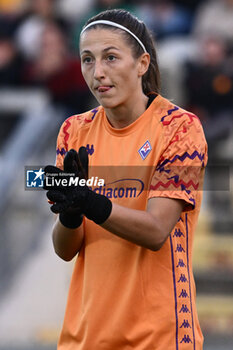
[99, 72]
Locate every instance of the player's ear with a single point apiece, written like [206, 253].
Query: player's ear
[143, 64]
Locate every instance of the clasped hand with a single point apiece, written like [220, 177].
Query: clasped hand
[72, 201]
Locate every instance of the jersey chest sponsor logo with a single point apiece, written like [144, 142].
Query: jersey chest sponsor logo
[123, 188]
[145, 150]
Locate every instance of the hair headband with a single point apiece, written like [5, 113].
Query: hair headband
[113, 24]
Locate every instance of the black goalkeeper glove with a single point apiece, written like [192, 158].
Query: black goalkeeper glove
[72, 201]
[75, 165]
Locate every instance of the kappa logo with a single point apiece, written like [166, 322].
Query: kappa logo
[185, 324]
[145, 150]
[181, 263]
[90, 150]
[184, 309]
[183, 294]
[186, 339]
[182, 278]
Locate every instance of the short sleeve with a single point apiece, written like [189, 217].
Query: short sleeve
[179, 173]
[69, 132]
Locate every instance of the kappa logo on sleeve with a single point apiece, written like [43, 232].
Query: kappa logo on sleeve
[145, 150]
[90, 149]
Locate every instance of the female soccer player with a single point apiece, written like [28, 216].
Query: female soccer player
[132, 285]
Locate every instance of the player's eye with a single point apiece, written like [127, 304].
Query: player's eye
[87, 59]
[111, 58]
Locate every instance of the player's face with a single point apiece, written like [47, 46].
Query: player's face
[109, 68]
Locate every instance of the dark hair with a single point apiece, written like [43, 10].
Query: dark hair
[151, 79]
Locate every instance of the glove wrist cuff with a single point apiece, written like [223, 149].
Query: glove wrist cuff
[99, 208]
[71, 220]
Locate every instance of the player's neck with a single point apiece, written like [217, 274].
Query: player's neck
[125, 115]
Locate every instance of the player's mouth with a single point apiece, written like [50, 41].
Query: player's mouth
[102, 89]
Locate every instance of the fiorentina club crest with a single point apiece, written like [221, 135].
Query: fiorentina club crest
[145, 150]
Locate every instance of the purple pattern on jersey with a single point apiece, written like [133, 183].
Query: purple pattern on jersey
[175, 293]
[61, 151]
[181, 158]
[187, 245]
[169, 112]
[94, 111]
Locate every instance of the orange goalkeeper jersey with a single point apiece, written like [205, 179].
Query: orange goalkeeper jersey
[123, 296]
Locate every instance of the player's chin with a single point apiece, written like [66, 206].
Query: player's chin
[108, 103]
